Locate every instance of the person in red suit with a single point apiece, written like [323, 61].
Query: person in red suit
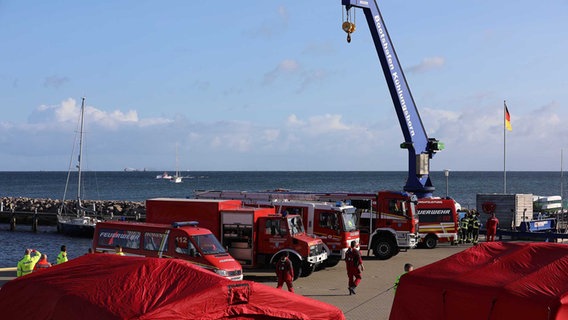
[491, 225]
[285, 272]
[354, 264]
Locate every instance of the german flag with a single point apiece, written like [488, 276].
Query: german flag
[507, 119]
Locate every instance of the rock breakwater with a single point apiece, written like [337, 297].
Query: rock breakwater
[101, 207]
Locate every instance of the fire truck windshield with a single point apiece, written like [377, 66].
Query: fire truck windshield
[208, 244]
[349, 220]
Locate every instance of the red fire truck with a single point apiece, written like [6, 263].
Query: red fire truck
[438, 221]
[256, 237]
[335, 223]
[181, 240]
[386, 220]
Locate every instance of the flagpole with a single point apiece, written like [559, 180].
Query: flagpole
[504, 146]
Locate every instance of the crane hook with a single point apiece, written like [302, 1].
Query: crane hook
[349, 28]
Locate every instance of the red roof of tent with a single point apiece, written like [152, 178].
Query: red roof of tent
[106, 286]
[495, 280]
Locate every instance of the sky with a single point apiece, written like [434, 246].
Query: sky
[274, 85]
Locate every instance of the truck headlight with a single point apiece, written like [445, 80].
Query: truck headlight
[223, 273]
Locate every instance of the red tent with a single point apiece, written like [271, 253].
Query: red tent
[494, 280]
[106, 286]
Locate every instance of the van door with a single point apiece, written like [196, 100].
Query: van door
[181, 246]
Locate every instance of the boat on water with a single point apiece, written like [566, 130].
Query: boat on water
[77, 226]
[164, 176]
[177, 178]
[73, 218]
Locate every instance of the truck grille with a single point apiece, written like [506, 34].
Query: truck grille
[316, 250]
[235, 273]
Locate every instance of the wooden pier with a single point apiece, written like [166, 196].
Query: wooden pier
[33, 219]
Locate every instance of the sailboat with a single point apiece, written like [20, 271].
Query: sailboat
[177, 178]
[75, 221]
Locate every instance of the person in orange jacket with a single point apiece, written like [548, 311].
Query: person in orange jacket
[491, 225]
[42, 263]
[285, 272]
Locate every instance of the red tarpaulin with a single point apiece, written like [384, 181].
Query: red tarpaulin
[494, 280]
[106, 286]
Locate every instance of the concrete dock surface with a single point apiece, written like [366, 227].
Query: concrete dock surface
[374, 297]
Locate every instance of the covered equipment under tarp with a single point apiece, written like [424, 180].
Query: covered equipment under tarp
[494, 280]
[108, 286]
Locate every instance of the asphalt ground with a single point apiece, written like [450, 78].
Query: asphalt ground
[374, 295]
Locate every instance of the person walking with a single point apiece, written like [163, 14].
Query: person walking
[407, 268]
[492, 224]
[42, 263]
[118, 250]
[354, 264]
[27, 263]
[62, 256]
[285, 272]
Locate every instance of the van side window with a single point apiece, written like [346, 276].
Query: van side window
[153, 241]
[184, 246]
[124, 238]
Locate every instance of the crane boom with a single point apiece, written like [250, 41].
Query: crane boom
[420, 147]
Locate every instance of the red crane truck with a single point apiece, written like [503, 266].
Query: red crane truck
[256, 237]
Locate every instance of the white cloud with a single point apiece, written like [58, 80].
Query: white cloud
[55, 81]
[473, 137]
[428, 64]
[285, 67]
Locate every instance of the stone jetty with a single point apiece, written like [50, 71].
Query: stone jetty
[102, 207]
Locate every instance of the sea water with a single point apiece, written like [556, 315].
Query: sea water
[463, 186]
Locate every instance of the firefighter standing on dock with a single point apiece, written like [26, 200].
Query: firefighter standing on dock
[476, 226]
[285, 272]
[354, 264]
[469, 226]
[491, 225]
[43, 263]
[464, 222]
[27, 264]
[62, 256]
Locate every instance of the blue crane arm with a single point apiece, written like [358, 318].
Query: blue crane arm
[420, 147]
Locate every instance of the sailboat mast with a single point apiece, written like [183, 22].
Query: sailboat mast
[82, 121]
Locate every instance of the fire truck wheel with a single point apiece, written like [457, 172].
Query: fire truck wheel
[331, 261]
[297, 265]
[384, 249]
[307, 269]
[430, 242]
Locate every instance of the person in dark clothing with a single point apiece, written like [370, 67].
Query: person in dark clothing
[354, 264]
[285, 272]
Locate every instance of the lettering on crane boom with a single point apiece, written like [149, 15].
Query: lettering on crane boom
[394, 75]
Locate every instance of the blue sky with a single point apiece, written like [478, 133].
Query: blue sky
[273, 85]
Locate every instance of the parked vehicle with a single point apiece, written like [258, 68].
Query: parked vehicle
[256, 237]
[437, 221]
[181, 240]
[335, 223]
